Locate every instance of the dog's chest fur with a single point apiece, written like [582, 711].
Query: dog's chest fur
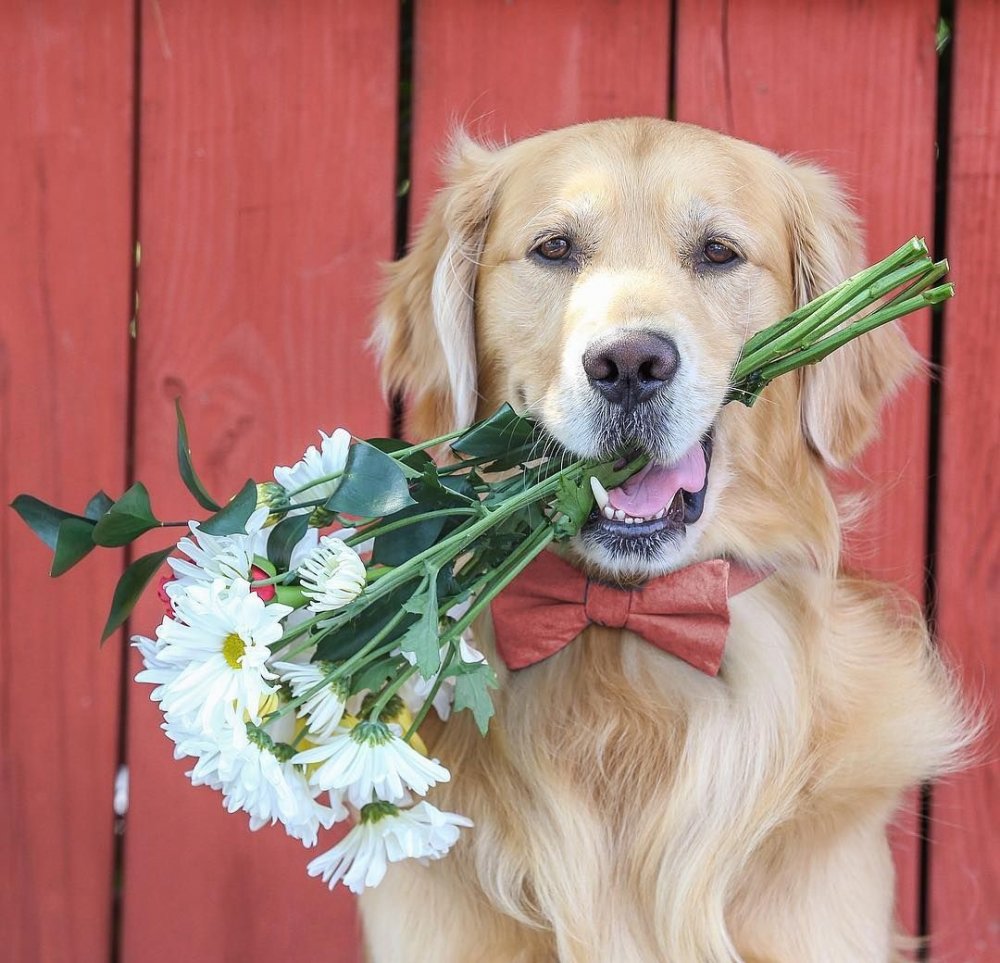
[628, 807]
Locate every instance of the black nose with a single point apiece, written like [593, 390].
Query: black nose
[629, 368]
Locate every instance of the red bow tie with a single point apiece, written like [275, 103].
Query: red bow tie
[684, 613]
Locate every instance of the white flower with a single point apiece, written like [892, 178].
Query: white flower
[325, 707]
[220, 639]
[371, 759]
[256, 775]
[156, 671]
[468, 653]
[330, 459]
[229, 557]
[332, 575]
[260, 779]
[387, 834]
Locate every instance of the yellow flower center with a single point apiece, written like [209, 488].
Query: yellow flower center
[233, 649]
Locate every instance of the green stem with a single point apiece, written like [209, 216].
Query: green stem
[389, 691]
[455, 543]
[373, 531]
[433, 443]
[502, 577]
[866, 298]
[370, 648]
[495, 582]
[333, 476]
[931, 278]
[297, 631]
[278, 579]
[819, 350]
[787, 334]
[418, 719]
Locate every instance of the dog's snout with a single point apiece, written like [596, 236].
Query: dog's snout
[630, 368]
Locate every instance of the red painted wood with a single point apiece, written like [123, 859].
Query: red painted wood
[851, 86]
[507, 70]
[65, 282]
[965, 865]
[267, 180]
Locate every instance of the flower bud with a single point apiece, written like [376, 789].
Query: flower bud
[272, 495]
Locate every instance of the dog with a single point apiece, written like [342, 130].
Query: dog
[628, 808]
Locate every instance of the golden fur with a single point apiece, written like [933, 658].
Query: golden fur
[629, 809]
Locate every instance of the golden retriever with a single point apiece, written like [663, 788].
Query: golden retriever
[628, 808]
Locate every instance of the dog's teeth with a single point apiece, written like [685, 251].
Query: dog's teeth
[660, 513]
[600, 494]
[619, 515]
[608, 512]
[629, 520]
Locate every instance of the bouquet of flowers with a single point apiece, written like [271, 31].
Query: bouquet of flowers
[313, 621]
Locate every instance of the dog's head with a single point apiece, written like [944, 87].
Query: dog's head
[603, 279]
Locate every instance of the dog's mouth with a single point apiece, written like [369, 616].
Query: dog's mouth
[655, 504]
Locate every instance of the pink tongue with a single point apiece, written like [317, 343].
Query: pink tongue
[655, 486]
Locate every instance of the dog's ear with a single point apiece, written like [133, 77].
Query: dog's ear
[842, 395]
[425, 332]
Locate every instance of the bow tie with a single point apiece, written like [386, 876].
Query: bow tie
[684, 613]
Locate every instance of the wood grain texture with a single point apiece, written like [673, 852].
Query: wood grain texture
[505, 70]
[965, 863]
[852, 87]
[267, 197]
[65, 284]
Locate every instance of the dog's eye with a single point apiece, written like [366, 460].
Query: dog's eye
[718, 253]
[554, 248]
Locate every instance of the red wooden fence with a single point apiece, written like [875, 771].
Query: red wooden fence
[252, 148]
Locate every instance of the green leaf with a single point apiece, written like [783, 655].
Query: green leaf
[472, 691]
[575, 499]
[374, 675]
[232, 519]
[98, 506]
[505, 437]
[421, 638]
[186, 466]
[126, 519]
[284, 537]
[74, 542]
[134, 579]
[395, 548]
[414, 464]
[43, 519]
[373, 485]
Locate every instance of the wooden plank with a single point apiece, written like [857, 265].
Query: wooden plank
[267, 197]
[824, 81]
[965, 863]
[65, 284]
[510, 69]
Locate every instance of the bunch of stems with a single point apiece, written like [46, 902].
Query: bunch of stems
[830, 321]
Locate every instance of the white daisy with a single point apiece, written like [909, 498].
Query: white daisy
[332, 575]
[260, 779]
[330, 459]
[325, 707]
[386, 834]
[210, 558]
[371, 759]
[155, 671]
[254, 774]
[220, 638]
